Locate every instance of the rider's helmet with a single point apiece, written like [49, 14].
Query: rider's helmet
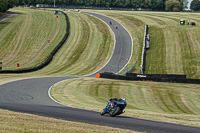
[124, 99]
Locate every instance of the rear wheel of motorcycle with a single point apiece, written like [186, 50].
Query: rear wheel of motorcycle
[115, 111]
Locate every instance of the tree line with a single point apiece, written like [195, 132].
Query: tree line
[195, 5]
[7, 4]
[156, 5]
[159, 5]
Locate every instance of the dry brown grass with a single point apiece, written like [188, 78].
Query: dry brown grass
[12, 122]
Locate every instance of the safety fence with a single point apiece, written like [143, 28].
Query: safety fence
[50, 57]
[146, 46]
[151, 77]
[171, 76]
[91, 7]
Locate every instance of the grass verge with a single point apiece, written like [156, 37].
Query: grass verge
[87, 49]
[23, 123]
[174, 49]
[175, 103]
[27, 34]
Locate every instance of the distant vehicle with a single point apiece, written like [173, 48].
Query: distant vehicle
[39, 5]
[114, 107]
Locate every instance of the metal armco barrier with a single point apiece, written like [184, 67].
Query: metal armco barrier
[171, 76]
[49, 59]
[155, 79]
[145, 48]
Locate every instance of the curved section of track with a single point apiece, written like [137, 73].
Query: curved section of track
[8, 16]
[123, 45]
[31, 96]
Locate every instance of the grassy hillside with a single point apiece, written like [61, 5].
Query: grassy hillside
[87, 49]
[176, 103]
[174, 48]
[3, 14]
[24, 37]
[22, 123]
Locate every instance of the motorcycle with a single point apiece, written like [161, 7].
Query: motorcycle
[114, 107]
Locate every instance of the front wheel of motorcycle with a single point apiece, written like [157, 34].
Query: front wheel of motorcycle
[103, 112]
[115, 111]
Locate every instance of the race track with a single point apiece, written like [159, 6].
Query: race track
[123, 45]
[31, 95]
[8, 16]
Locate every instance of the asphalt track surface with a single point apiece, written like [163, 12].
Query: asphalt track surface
[8, 16]
[123, 45]
[31, 96]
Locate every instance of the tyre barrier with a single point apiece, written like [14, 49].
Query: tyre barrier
[171, 76]
[146, 45]
[152, 77]
[50, 57]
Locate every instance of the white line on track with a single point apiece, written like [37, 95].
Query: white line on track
[115, 41]
[85, 75]
[49, 94]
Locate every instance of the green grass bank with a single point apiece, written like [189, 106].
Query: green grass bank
[24, 37]
[174, 48]
[175, 103]
[87, 49]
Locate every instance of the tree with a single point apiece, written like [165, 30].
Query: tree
[108, 3]
[195, 5]
[19, 2]
[97, 2]
[7, 4]
[173, 5]
[119, 3]
[114, 2]
[88, 2]
[183, 4]
[156, 4]
[24, 2]
[80, 2]
[125, 3]
[137, 3]
[11, 4]
[3, 5]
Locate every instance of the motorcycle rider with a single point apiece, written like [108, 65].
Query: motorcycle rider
[111, 103]
[114, 100]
